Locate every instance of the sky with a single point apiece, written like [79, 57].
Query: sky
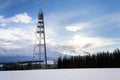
[72, 27]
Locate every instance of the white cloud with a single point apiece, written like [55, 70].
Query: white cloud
[77, 44]
[58, 19]
[15, 34]
[22, 37]
[9, 46]
[62, 16]
[100, 21]
[18, 18]
[78, 26]
[3, 21]
[21, 40]
[16, 37]
[22, 18]
[106, 20]
[51, 35]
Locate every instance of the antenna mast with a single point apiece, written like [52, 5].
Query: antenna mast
[40, 42]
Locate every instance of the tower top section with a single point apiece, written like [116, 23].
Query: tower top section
[40, 14]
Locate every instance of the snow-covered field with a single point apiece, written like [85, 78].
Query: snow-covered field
[62, 74]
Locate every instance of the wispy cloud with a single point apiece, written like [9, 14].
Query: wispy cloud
[18, 18]
[109, 19]
[58, 19]
[78, 43]
[77, 27]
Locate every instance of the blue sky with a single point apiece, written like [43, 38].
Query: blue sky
[72, 26]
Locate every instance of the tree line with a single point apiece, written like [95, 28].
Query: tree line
[17, 66]
[100, 60]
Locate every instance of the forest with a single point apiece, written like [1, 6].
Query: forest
[99, 60]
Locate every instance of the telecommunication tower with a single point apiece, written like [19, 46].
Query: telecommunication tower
[40, 43]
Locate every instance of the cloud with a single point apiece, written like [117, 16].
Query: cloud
[100, 21]
[105, 20]
[62, 16]
[59, 19]
[18, 18]
[95, 27]
[21, 41]
[19, 38]
[22, 18]
[50, 33]
[78, 43]
[3, 21]
[76, 27]
[16, 38]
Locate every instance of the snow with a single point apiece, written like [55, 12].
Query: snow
[63, 74]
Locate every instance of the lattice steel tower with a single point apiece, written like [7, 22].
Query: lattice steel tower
[40, 43]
